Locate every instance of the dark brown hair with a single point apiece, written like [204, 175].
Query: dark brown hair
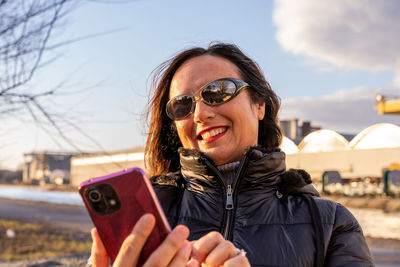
[161, 152]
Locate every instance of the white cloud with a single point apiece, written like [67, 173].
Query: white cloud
[349, 34]
[344, 111]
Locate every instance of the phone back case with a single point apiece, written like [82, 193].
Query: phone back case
[136, 197]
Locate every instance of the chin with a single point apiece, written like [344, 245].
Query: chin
[219, 158]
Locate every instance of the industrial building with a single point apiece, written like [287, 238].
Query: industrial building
[367, 155]
[47, 167]
[370, 152]
[85, 167]
[296, 130]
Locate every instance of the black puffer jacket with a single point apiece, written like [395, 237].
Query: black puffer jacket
[274, 228]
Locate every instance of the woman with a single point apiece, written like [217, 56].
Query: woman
[213, 147]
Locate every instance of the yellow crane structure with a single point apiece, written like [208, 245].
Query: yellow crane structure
[386, 104]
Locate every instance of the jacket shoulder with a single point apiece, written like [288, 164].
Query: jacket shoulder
[345, 221]
[168, 187]
[338, 215]
[347, 245]
[169, 191]
[327, 209]
[171, 179]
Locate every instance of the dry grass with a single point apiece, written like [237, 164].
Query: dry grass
[39, 241]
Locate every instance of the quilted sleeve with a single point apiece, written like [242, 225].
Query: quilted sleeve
[347, 246]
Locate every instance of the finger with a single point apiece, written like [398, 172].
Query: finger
[202, 247]
[193, 263]
[239, 260]
[134, 242]
[182, 256]
[98, 254]
[221, 253]
[163, 255]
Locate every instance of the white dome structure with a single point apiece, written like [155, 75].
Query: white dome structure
[288, 146]
[322, 141]
[381, 135]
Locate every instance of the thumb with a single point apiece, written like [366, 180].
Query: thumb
[99, 255]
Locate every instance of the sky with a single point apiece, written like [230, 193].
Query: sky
[325, 60]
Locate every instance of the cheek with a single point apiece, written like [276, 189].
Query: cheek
[184, 129]
[248, 126]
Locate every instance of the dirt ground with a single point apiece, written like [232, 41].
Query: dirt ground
[22, 240]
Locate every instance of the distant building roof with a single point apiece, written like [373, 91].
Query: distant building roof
[52, 153]
[110, 157]
[381, 135]
[323, 140]
[288, 146]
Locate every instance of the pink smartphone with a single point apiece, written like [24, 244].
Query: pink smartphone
[115, 203]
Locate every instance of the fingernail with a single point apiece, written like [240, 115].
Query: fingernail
[92, 233]
[182, 230]
[148, 218]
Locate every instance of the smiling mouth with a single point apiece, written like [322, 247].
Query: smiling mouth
[211, 134]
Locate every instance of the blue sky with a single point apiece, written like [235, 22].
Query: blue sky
[326, 60]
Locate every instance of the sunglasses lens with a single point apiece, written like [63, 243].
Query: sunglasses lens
[179, 107]
[218, 92]
[213, 94]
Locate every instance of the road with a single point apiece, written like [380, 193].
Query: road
[68, 216]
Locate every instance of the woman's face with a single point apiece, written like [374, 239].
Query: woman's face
[221, 132]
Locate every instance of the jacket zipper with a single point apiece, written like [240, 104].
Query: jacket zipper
[232, 198]
[230, 193]
[228, 202]
[228, 210]
[229, 199]
[218, 174]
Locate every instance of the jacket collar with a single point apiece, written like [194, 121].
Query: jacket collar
[260, 168]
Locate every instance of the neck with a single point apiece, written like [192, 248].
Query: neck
[229, 171]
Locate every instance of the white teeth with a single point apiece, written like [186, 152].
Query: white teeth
[212, 133]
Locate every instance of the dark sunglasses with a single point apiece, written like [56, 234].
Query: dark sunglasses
[213, 94]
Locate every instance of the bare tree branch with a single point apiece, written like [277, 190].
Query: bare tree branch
[26, 27]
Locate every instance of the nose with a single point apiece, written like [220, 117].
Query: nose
[202, 112]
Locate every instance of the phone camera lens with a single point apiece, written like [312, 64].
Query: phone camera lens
[94, 196]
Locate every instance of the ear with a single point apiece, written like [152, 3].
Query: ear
[261, 110]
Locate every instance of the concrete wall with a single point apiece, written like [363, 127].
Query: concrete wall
[86, 167]
[350, 163]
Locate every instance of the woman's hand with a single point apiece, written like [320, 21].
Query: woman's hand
[173, 251]
[213, 250]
